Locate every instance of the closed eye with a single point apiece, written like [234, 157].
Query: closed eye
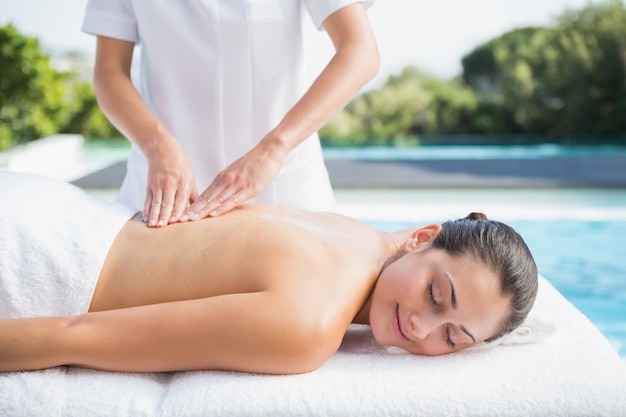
[449, 341]
[431, 298]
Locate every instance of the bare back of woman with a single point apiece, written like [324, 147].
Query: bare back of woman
[256, 248]
[264, 289]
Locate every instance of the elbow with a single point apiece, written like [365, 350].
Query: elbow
[100, 82]
[316, 354]
[374, 62]
[360, 58]
[367, 60]
[309, 349]
[305, 362]
[373, 53]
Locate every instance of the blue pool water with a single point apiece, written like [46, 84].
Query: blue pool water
[586, 261]
[470, 152]
[99, 154]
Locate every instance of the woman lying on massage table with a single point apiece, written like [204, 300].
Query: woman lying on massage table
[272, 289]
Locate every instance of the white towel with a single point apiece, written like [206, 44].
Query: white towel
[574, 372]
[53, 241]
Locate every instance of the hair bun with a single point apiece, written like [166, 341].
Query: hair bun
[476, 216]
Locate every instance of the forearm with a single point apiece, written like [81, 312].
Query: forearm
[121, 102]
[344, 76]
[29, 344]
[124, 107]
[104, 340]
[355, 62]
[213, 333]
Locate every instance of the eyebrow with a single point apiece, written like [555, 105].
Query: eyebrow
[454, 305]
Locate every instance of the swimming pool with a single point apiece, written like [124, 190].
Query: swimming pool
[430, 152]
[578, 236]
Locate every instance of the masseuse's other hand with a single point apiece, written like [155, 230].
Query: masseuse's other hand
[240, 181]
[171, 187]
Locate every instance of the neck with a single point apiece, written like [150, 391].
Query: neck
[393, 247]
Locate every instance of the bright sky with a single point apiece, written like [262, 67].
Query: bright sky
[433, 35]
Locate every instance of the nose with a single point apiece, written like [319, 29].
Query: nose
[422, 326]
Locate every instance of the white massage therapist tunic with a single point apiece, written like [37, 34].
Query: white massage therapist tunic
[219, 75]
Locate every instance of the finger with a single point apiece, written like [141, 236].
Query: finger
[200, 208]
[155, 209]
[146, 207]
[203, 203]
[183, 198]
[230, 203]
[165, 213]
[227, 201]
[166, 207]
[194, 195]
[193, 199]
[180, 204]
[203, 206]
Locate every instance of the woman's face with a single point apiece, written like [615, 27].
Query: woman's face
[430, 303]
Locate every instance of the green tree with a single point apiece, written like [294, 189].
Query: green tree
[501, 72]
[36, 100]
[31, 93]
[565, 80]
[410, 104]
[589, 78]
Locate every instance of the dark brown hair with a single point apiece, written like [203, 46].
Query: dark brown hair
[500, 248]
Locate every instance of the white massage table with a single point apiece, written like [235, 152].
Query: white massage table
[574, 372]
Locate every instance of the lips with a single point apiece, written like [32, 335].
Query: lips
[397, 329]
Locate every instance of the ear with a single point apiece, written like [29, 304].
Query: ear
[421, 237]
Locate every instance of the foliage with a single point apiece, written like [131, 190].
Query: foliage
[567, 81]
[409, 105]
[31, 93]
[37, 100]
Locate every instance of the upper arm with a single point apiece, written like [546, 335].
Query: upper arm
[113, 55]
[349, 26]
[262, 332]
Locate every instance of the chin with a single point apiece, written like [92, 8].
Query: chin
[384, 340]
[395, 350]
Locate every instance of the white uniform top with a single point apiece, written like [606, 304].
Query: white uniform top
[219, 75]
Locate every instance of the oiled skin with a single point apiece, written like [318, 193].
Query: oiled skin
[262, 289]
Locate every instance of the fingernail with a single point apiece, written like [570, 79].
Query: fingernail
[160, 223]
[151, 223]
[184, 218]
[173, 219]
[213, 213]
[195, 216]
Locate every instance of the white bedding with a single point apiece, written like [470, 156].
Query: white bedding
[54, 239]
[575, 372]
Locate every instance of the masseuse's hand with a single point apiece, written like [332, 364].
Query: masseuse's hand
[171, 186]
[240, 181]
